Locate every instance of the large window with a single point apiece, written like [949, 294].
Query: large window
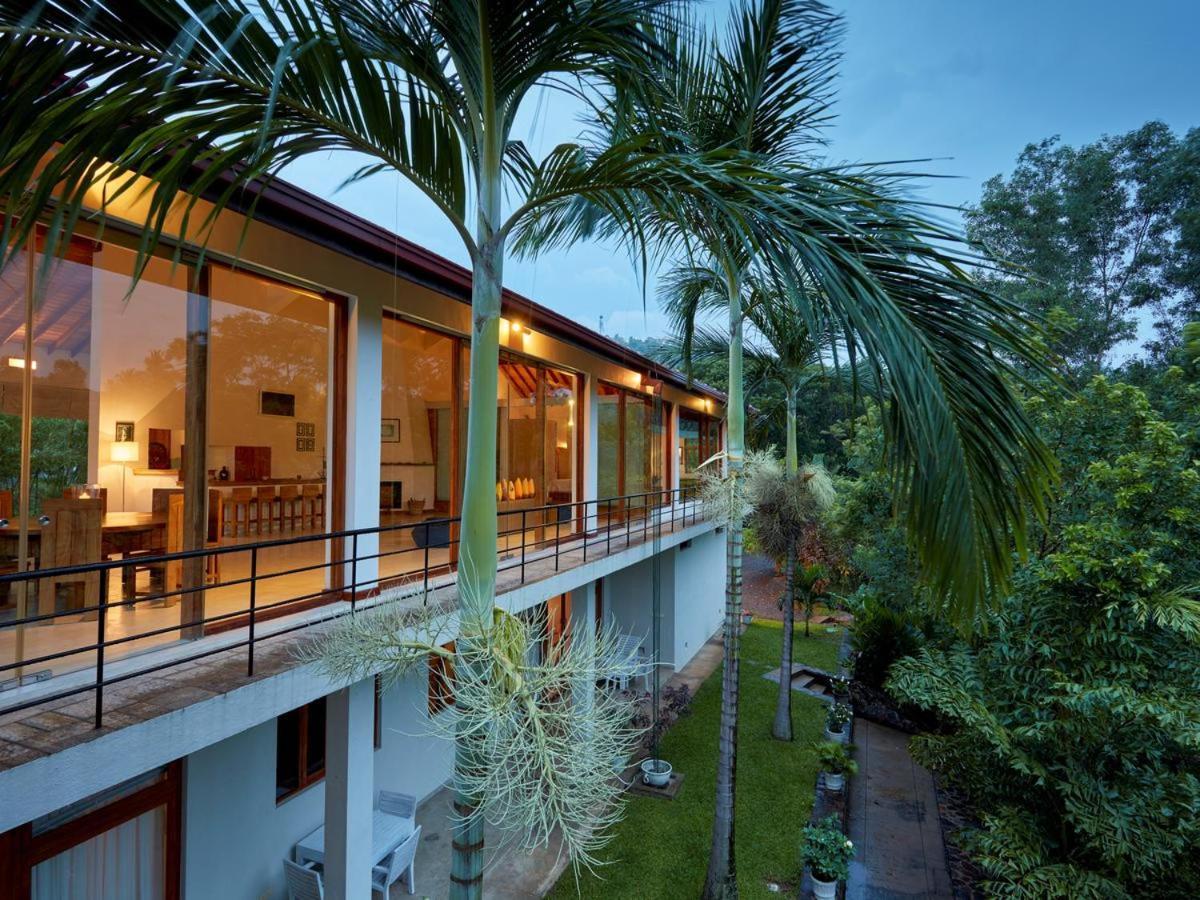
[699, 440]
[120, 844]
[423, 446]
[191, 411]
[631, 444]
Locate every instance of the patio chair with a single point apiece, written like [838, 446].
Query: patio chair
[303, 883]
[399, 863]
[402, 806]
[626, 660]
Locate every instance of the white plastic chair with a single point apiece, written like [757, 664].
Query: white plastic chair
[402, 806]
[303, 883]
[400, 862]
[627, 662]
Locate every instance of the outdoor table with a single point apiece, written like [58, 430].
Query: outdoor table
[387, 831]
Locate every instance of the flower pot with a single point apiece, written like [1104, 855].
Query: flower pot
[834, 781]
[839, 737]
[747, 618]
[824, 890]
[656, 772]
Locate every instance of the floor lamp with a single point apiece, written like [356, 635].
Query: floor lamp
[124, 452]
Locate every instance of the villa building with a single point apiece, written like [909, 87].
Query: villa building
[283, 419]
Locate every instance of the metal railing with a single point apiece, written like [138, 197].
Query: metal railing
[578, 526]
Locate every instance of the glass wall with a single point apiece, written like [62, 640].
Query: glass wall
[425, 397]
[418, 436]
[699, 439]
[631, 444]
[103, 393]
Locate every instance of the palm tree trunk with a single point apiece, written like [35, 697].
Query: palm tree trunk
[721, 880]
[477, 549]
[782, 729]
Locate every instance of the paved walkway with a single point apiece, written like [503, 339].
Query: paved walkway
[893, 821]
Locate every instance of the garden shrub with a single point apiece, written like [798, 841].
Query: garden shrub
[1074, 720]
[881, 635]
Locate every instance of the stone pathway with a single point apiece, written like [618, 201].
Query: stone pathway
[893, 821]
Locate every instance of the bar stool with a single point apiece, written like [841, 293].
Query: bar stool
[264, 508]
[312, 506]
[241, 499]
[289, 506]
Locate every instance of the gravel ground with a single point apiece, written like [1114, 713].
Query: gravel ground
[762, 588]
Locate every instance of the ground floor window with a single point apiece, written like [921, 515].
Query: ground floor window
[299, 749]
[121, 844]
[441, 681]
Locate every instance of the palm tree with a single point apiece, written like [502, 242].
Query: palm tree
[214, 98]
[783, 360]
[892, 284]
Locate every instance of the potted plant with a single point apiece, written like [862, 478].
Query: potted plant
[839, 686]
[836, 763]
[827, 853]
[836, 721]
[656, 772]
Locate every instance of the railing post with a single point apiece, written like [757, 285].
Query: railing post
[557, 535]
[585, 526]
[522, 546]
[608, 529]
[354, 572]
[425, 567]
[253, 603]
[101, 615]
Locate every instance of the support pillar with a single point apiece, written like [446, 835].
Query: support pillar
[349, 790]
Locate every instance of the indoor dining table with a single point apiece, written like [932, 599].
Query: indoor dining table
[387, 831]
[120, 533]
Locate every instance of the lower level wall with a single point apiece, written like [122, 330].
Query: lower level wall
[236, 837]
[699, 582]
[691, 599]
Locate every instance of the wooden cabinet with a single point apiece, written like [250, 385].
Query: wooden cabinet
[251, 463]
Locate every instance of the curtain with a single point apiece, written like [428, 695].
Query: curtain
[123, 863]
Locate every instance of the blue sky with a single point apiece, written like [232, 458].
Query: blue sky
[967, 83]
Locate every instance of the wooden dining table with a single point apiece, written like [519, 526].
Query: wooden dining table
[121, 534]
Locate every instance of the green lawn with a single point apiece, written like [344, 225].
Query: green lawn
[661, 847]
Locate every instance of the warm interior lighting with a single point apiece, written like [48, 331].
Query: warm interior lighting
[515, 327]
[124, 451]
[17, 362]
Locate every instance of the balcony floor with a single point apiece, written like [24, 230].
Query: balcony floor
[57, 724]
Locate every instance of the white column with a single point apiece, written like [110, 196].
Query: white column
[673, 447]
[349, 790]
[363, 405]
[591, 445]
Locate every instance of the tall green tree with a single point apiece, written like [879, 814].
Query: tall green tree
[1074, 722]
[890, 282]
[1098, 234]
[780, 359]
[214, 97]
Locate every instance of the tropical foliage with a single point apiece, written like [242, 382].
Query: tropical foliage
[1074, 722]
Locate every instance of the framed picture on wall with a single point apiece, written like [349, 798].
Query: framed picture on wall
[389, 431]
[123, 432]
[277, 403]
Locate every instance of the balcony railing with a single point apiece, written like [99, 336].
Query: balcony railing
[578, 527]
